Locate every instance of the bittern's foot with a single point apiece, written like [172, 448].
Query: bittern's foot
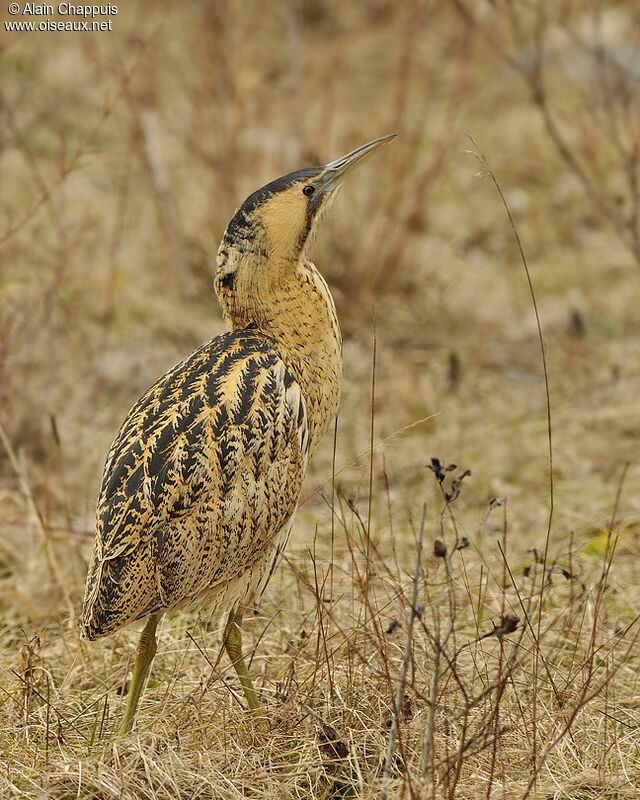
[233, 646]
[144, 656]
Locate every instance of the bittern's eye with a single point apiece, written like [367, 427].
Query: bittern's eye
[308, 190]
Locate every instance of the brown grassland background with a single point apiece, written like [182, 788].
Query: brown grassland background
[388, 669]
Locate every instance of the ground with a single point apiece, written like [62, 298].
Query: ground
[124, 154]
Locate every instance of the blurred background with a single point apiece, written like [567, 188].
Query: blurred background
[124, 153]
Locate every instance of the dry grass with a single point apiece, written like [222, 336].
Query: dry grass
[122, 157]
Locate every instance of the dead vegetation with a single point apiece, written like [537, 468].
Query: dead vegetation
[431, 633]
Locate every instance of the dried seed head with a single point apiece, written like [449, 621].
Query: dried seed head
[439, 548]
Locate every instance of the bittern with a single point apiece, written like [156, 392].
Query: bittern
[202, 481]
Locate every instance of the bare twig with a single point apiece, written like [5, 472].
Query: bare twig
[393, 732]
[537, 652]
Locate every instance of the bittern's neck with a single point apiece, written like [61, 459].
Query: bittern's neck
[298, 312]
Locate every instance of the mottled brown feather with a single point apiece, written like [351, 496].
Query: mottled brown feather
[203, 475]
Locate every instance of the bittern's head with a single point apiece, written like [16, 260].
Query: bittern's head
[267, 235]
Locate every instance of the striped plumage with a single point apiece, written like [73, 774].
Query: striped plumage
[199, 484]
[202, 481]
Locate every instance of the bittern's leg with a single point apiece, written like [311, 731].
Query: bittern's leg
[233, 646]
[144, 656]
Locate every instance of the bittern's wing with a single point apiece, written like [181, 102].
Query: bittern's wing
[194, 483]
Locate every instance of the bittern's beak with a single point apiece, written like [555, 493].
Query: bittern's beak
[335, 172]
